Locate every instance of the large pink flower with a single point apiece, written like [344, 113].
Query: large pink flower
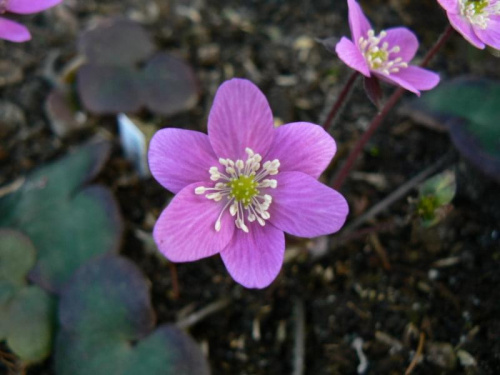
[477, 20]
[386, 55]
[242, 185]
[13, 31]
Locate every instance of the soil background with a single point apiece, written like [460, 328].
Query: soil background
[391, 286]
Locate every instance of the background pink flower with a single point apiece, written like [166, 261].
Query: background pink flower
[477, 20]
[242, 185]
[386, 55]
[13, 31]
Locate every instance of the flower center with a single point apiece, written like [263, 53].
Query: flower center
[478, 12]
[240, 187]
[378, 55]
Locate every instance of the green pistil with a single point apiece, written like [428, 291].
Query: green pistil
[477, 5]
[380, 54]
[243, 189]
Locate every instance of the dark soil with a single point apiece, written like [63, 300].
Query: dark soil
[392, 288]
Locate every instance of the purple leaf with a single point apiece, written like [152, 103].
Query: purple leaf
[109, 89]
[116, 41]
[169, 85]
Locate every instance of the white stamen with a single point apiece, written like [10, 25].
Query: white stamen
[240, 189]
[378, 54]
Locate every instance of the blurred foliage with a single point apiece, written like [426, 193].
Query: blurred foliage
[66, 223]
[27, 313]
[469, 108]
[106, 317]
[123, 73]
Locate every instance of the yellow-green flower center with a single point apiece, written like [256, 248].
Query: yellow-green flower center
[477, 6]
[478, 12]
[239, 186]
[377, 53]
[243, 189]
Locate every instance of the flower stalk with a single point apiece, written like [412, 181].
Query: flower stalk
[379, 118]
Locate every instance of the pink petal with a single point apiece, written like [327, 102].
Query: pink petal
[254, 259]
[351, 55]
[240, 117]
[358, 22]
[460, 24]
[13, 31]
[405, 39]
[179, 157]
[302, 147]
[30, 6]
[490, 35]
[185, 230]
[304, 207]
[450, 5]
[414, 79]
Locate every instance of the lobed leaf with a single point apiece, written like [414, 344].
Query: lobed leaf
[109, 89]
[106, 317]
[117, 42]
[169, 85]
[68, 225]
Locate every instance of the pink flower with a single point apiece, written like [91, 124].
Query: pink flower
[386, 55]
[14, 31]
[477, 20]
[242, 185]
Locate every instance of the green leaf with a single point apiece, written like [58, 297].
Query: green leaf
[106, 317]
[31, 318]
[470, 110]
[17, 257]
[436, 194]
[26, 312]
[67, 224]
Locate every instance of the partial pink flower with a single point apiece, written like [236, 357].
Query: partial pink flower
[386, 55]
[243, 185]
[13, 31]
[477, 20]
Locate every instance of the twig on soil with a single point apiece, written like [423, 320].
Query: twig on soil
[398, 193]
[380, 250]
[199, 315]
[10, 188]
[300, 337]
[417, 356]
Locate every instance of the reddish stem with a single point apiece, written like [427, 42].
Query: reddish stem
[379, 118]
[340, 100]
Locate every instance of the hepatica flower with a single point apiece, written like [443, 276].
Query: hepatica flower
[477, 20]
[14, 31]
[386, 55]
[242, 185]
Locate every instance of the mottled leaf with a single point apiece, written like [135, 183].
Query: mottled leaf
[67, 224]
[106, 317]
[169, 85]
[109, 89]
[117, 41]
